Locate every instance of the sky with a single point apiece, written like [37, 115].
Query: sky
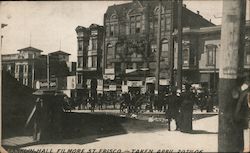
[45, 24]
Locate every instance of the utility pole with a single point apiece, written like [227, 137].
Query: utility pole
[48, 74]
[215, 54]
[229, 137]
[179, 38]
[158, 53]
[1, 45]
[171, 44]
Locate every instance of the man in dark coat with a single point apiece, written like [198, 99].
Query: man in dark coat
[173, 111]
[187, 110]
[241, 115]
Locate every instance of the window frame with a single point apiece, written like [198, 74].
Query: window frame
[211, 49]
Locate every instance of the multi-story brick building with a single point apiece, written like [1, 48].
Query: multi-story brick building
[89, 59]
[129, 59]
[201, 54]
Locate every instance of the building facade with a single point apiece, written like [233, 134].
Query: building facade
[130, 44]
[22, 65]
[201, 55]
[89, 59]
[29, 66]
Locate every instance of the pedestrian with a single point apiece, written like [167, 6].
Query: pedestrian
[92, 104]
[99, 101]
[241, 114]
[114, 100]
[84, 102]
[173, 109]
[187, 110]
[66, 104]
[39, 122]
[209, 106]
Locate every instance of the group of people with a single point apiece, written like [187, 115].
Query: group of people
[180, 109]
[131, 102]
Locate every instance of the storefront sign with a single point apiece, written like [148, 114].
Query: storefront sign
[44, 84]
[109, 71]
[124, 88]
[130, 70]
[164, 82]
[108, 76]
[150, 79]
[112, 87]
[99, 85]
[134, 83]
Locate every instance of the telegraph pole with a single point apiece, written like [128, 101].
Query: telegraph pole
[171, 44]
[179, 38]
[158, 53]
[229, 137]
[1, 45]
[48, 74]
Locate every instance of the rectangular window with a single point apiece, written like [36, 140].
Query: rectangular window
[80, 62]
[162, 22]
[94, 44]
[20, 68]
[17, 68]
[79, 78]
[107, 31]
[94, 61]
[248, 58]
[132, 28]
[185, 57]
[135, 24]
[138, 24]
[211, 49]
[24, 68]
[247, 53]
[116, 29]
[112, 29]
[80, 45]
[25, 81]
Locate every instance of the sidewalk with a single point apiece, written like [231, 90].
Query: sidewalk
[203, 138]
[117, 111]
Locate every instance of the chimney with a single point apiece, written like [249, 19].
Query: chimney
[184, 5]
[198, 12]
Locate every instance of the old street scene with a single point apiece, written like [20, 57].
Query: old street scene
[125, 76]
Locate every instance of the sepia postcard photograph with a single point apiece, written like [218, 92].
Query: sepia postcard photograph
[132, 76]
